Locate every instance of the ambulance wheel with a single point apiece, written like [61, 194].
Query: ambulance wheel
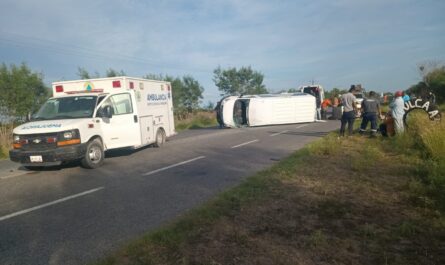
[33, 168]
[94, 155]
[160, 138]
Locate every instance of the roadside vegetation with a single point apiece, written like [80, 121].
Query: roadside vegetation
[5, 140]
[354, 200]
[200, 119]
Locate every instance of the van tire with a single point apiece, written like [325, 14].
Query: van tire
[160, 138]
[94, 155]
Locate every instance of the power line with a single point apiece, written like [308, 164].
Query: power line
[51, 46]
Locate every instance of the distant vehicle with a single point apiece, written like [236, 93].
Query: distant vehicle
[318, 92]
[266, 109]
[86, 117]
[360, 97]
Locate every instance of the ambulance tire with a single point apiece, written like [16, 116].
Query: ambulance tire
[33, 168]
[160, 138]
[94, 155]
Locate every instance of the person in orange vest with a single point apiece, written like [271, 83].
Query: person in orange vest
[324, 108]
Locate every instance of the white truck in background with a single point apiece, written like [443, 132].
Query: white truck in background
[84, 118]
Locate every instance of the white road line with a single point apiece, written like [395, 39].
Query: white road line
[301, 126]
[175, 165]
[275, 134]
[244, 144]
[49, 204]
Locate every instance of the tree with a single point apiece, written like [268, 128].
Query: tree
[192, 93]
[293, 90]
[110, 72]
[186, 92]
[113, 73]
[437, 83]
[433, 80]
[335, 92]
[83, 73]
[239, 82]
[21, 91]
[210, 106]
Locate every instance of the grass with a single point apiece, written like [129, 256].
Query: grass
[353, 200]
[201, 119]
[5, 139]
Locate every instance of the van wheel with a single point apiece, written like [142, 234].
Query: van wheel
[94, 155]
[160, 138]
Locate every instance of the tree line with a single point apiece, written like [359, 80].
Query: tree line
[22, 90]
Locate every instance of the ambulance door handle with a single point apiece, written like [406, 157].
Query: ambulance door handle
[135, 118]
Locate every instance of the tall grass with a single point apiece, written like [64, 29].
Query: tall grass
[198, 120]
[426, 140]
[5, 139]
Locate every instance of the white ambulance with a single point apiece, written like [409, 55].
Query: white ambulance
[84, 118]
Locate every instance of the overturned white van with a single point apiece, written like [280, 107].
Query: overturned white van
[266, 109]
[84, 118]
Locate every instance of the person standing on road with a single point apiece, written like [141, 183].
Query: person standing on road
[324, 108]
[397, 111]
[371, 112]
[349, 103]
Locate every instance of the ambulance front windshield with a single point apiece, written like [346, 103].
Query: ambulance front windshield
[67, 108]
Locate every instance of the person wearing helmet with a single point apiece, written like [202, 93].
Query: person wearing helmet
[397, 111]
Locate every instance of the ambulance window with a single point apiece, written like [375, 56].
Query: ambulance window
[106, 103]
[99, 100]
[121, 104]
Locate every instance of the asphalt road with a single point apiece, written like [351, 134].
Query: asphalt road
[70, 215]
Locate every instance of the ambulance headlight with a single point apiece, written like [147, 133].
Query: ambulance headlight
[18, 141]
[68, 135]
[68, 138]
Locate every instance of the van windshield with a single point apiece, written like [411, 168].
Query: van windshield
[67, 108]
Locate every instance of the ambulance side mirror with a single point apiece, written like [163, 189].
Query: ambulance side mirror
[106, 112]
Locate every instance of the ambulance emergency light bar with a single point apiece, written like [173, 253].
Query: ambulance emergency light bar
[115, 84]
[85, 91]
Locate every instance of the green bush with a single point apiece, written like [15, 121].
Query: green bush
[196, 121]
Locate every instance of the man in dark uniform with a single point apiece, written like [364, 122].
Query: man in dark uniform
[371, 111]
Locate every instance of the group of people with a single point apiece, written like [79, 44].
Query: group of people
[370, 109]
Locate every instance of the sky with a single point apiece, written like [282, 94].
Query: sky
[376, 43]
